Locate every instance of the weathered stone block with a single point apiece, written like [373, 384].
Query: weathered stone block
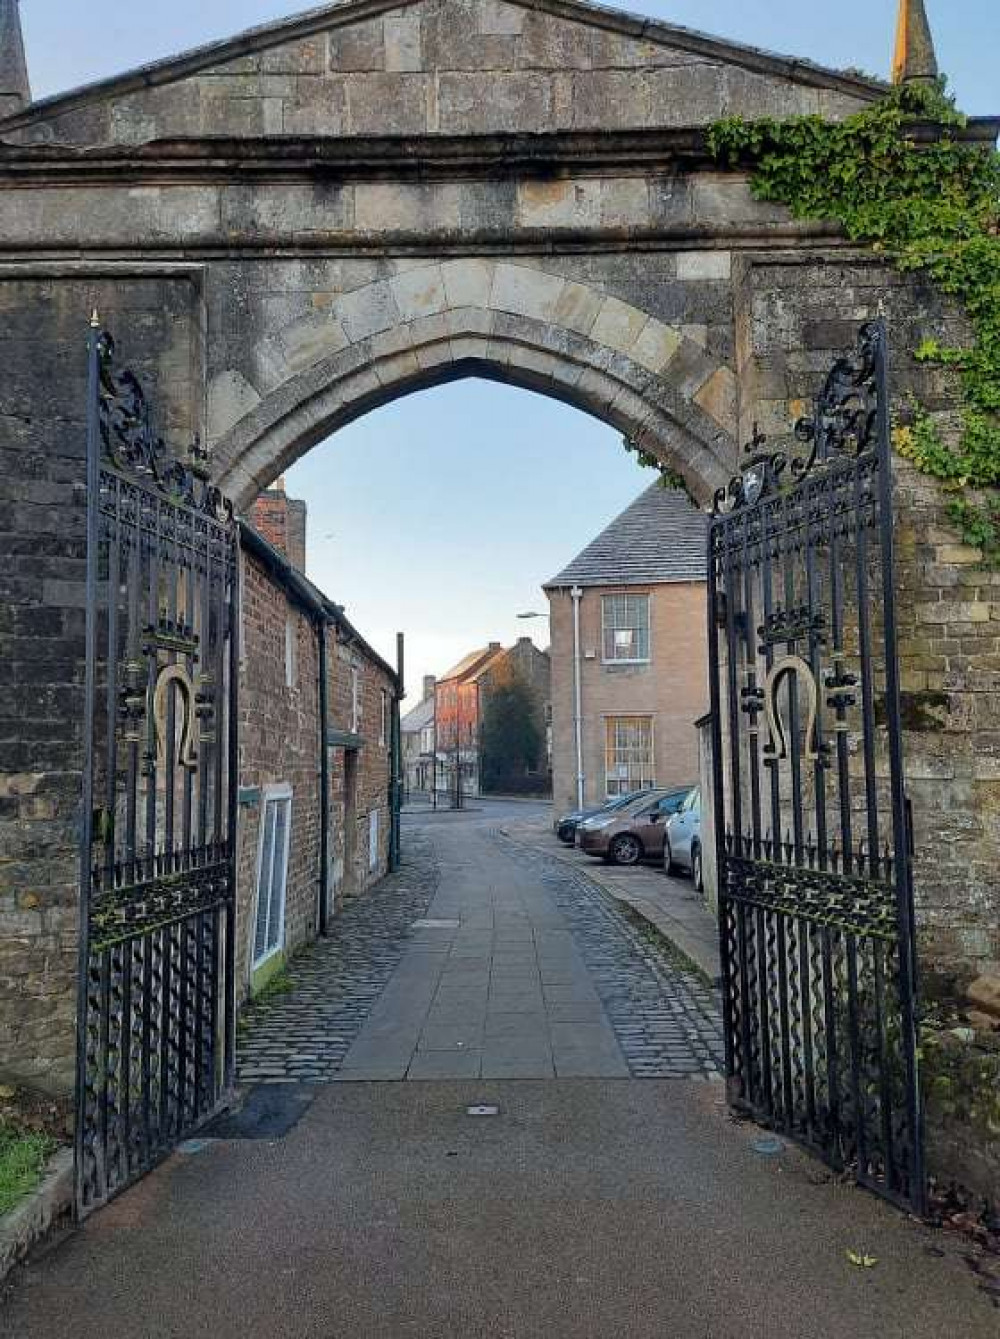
[419, 292]
[704, 266]
[527, 292]
[357, 46]
[401, 34]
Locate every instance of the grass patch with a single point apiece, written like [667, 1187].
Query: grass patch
[22, 1160]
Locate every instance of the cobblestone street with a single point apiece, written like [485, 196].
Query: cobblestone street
[481, 959]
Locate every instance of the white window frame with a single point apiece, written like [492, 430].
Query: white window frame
[629, 782]
[291, 649]
[274, 794]
[606, 602]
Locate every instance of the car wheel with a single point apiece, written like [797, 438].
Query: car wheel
[669, 866]
[567, 835]
[696, 871]
[626, 850]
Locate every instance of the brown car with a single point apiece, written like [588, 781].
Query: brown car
[634, 833]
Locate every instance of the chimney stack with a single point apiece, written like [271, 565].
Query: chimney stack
[430, 683]
[15, 91]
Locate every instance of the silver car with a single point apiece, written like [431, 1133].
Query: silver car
[682, 840]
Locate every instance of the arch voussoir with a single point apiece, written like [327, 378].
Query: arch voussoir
[442, 320]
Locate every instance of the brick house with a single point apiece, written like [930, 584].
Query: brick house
[637, 595]
[304, 848]
[457, 720]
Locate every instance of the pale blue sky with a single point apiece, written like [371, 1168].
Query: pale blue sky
[442, 513]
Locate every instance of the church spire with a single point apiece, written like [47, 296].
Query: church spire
[914, 61]
[15, 91]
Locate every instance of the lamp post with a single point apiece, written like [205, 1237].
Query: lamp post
[576, 595]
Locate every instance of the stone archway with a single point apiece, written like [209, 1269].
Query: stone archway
[434, 322]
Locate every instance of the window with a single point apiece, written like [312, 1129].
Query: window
[628, 754]
[373, 840]
[291, 651]
[272, 873]
[383, 736]
[626, 628]
[355, 700]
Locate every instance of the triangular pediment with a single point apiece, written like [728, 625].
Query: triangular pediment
[442, 67]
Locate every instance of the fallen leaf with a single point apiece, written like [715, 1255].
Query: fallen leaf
[862, 1260]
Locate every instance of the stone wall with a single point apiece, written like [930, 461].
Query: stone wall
[44, 314]
[363, 781]
[444, 67]
[794, 316]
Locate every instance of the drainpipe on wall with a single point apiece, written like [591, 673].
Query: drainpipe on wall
[576, 595]
[324, 781]
[396, 777]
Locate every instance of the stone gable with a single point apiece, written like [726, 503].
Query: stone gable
[443, 67]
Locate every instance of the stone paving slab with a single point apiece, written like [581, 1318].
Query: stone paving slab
[510, 966]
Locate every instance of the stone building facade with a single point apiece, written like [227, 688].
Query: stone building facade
[640, 589]
[291, 228]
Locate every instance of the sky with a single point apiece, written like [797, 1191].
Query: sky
[441, 514]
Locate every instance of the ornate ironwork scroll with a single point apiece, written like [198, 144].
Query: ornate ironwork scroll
[155, 1035]
[812, 840]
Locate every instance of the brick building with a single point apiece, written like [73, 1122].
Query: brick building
[291, 879]
[638, 591]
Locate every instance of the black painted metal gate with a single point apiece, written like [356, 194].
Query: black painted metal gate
[812, 829]
[156, 1023]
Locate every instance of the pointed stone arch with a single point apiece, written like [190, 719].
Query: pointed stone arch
[432, 322]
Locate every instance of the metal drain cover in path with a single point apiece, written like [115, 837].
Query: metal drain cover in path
[436, 925]
[482, 1111]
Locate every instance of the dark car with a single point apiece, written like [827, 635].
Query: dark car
[636, 831]
[566, 826]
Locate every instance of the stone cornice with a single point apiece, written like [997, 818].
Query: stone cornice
[402, 159]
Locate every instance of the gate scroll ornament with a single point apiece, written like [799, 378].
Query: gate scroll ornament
[811, 822]
[156, 1014]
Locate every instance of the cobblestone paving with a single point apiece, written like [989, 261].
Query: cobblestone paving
[303, 1035]
[666, 1019]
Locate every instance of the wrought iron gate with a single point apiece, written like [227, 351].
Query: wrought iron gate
[811, 820]
[156, 1022]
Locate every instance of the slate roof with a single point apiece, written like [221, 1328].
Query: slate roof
[421, 715]
[661, 537]
[468, 664]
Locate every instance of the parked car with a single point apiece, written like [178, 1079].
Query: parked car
[566, 826]
[682, 846]
[634, 832]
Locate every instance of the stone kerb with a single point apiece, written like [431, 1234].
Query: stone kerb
[432, 322]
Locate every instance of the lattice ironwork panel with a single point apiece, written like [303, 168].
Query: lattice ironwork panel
[157, 850]
[813, 845]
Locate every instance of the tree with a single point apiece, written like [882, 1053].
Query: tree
[511, 741]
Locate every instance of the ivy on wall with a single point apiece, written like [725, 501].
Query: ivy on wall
[931, 203]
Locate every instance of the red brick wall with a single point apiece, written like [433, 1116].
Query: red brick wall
[279, 744]
[370, 773]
